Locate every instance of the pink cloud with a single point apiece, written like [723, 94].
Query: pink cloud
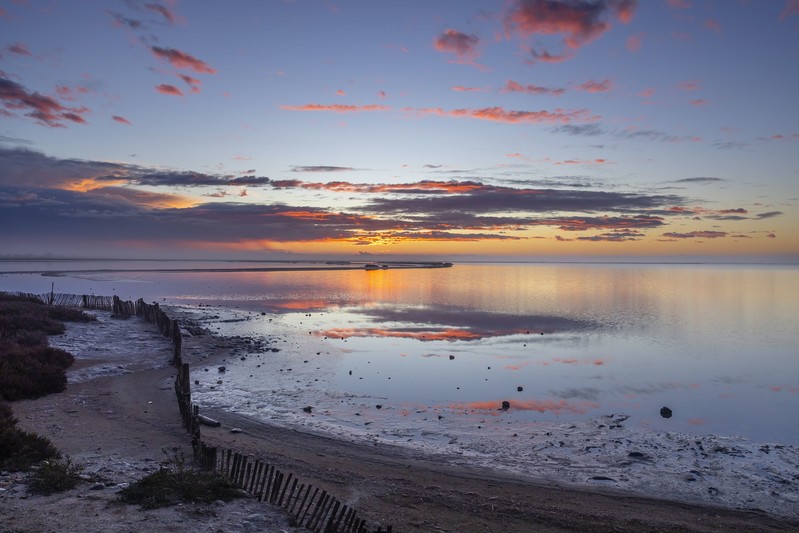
[679, 4]
[193, 83]
[164, 12]
[649, 92]
[690, 85]
[791, 8]
[592, 86]
[461, 44]
[43, 109]
[713, 25]
[514, 87]
[462, 89]
[165, 88]
[19, 49]
[699, 102]
[634, 42]
[578, 21]
[340, 92]
[499, 114]
[67, 93]
[121, 120]
[336, 108]
[182, 60]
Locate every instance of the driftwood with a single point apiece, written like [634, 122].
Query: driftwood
[208, 421]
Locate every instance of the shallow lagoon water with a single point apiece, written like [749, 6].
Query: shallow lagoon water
[586, 355]
[714, 343]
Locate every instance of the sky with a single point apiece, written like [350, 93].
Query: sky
[518, 129]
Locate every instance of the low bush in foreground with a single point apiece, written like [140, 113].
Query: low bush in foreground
[20, 449]
[29, 368]
[174, 483]
[31, 371]
[55, 476]
[22, 313]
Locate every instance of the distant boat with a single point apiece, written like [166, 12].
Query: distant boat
[371, 266]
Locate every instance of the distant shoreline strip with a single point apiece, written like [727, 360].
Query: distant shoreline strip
[390, 266]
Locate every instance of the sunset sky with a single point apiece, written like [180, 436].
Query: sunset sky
[438, 129]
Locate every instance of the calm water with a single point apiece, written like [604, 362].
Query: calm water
[716, 344]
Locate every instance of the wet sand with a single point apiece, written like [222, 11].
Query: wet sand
[130, 418]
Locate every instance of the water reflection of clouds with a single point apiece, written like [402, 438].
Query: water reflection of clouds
[654, 388]
[582, 393]
[541, 406]
[566, 361]
[449, 323]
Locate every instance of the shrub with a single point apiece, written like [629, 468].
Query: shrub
[174, 483]
[69, 314]
[20, 449]
[22, 313]
[31, 371]
[18, 315]
[55, 476]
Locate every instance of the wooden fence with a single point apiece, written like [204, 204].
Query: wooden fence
[87, 301]
[311, 507]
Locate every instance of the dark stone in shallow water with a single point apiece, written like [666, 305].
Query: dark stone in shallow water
[505, 406]
[665, 412]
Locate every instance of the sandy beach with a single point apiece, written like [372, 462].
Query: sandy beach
[118, 426]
